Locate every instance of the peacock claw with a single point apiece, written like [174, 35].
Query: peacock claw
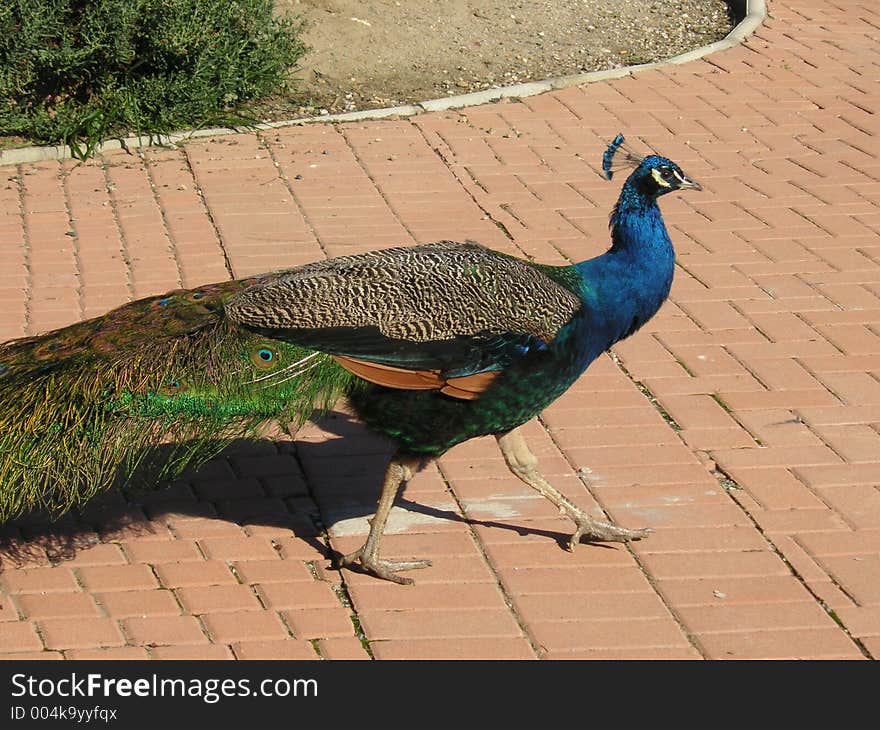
[597, 530]
[383, 568]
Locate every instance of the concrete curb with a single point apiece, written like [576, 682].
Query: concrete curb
[753, 13]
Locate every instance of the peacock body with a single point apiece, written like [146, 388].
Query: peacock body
[432, 345]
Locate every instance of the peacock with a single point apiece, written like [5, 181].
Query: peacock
[431, 345]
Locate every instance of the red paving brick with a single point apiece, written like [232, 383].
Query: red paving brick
[202, 573]
[161, 630]
[342, 647]
[430, 624]
[117, 578]
[79, 633]
[166, 551]
[226, 628]
[477, 648]
[205, 599]
[117, 652]
[18, 636]
[758, 463]
[720, 618]
[319, 623]
[644, 633]
[315, 594]
[282, 648]
[38, 580]
[57, 605]
[188, 651]
[271, 571]
[124, 604]
[790, 644]
[639, 653]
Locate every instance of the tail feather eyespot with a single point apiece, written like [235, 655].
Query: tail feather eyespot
[264, 357]
[176, 386]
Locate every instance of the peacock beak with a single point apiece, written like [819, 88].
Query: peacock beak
[685, 183]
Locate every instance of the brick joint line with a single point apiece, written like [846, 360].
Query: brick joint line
[123, 241]
[227, 261]
[28, 292]
[169, 234]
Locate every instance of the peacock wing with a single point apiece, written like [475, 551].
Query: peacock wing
[457, 309]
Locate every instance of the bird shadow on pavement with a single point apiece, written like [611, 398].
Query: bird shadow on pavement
[270, 488]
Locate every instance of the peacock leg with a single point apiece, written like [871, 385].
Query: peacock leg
[524, 464]
[399, 470]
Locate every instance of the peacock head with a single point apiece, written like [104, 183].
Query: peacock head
[657, 176]
[654, 175]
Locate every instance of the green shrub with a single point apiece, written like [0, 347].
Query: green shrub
[79, 71]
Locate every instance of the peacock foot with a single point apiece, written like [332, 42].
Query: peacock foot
[524, 465]
[372, 564]
[597, 530]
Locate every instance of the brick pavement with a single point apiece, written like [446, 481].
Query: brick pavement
[743, 422]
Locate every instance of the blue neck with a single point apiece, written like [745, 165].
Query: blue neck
[624, 287]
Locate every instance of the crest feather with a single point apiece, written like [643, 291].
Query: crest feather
[618, 155]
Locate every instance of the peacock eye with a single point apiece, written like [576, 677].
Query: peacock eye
[666, 173]
[266, 355]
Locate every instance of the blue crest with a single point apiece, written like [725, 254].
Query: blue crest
[617, 151]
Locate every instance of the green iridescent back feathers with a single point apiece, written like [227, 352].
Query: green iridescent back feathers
[88, 405]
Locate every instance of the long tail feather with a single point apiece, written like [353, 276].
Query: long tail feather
[82, 407]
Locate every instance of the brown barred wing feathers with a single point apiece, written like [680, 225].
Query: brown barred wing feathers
[452, 307]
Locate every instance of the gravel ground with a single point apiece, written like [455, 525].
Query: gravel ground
[377, 53]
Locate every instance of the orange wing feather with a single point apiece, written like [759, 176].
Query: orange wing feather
[468, 387]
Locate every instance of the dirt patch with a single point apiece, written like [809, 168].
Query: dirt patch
[377, 53]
